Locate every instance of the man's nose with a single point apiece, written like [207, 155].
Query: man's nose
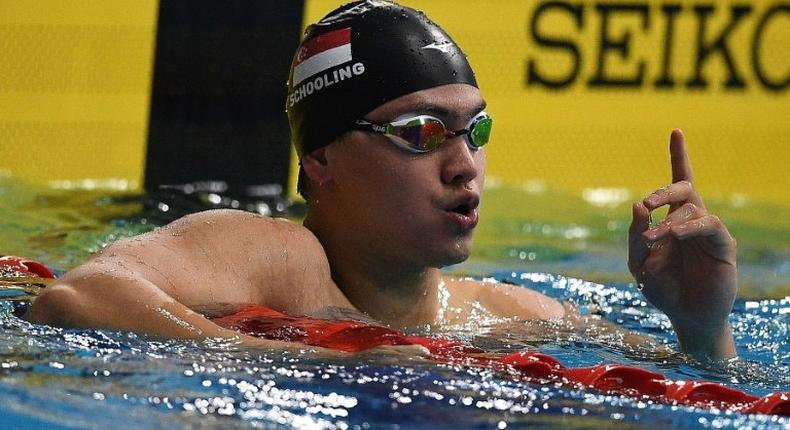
[460, 165]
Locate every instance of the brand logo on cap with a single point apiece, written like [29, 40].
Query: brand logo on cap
[445, 46]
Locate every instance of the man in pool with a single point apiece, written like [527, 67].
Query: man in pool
[389, 125]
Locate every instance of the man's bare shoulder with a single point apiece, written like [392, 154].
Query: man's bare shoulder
[224, 256]
[228, 230]
[504, 299]
[232, 222]
[283, 259]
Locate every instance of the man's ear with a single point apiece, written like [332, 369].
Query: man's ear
[316, 167]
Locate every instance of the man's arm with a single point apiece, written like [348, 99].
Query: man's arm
[148, 283]
[525, 304]
[686, 264]
[124, 302]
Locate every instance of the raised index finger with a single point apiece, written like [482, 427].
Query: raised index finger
[681, 166]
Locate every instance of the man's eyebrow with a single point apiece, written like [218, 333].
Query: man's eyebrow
[447, 114]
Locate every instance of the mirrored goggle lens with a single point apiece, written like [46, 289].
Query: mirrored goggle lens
[420, 134]
[480, 131]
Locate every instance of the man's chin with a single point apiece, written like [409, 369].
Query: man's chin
[452, 262]
[455, 256]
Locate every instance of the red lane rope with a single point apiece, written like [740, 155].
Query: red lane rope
[11, 266]
[354, 336]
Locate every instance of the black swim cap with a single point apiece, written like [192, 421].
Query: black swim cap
[359, 57]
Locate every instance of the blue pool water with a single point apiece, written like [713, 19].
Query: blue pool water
[63, 379]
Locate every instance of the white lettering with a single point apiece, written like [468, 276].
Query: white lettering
[358, 68]
[326, 80]
[345, 73]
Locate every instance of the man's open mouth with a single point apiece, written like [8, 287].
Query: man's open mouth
[465, 204]
[463, 209]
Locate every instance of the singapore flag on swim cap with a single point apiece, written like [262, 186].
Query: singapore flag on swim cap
[321, 53]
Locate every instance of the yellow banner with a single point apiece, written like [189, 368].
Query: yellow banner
[75, 83]
[585, 93]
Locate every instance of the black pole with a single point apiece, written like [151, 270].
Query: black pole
[219, 85]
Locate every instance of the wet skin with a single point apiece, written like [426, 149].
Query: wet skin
[381, 222]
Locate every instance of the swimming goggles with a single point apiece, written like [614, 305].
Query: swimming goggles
[424, 133]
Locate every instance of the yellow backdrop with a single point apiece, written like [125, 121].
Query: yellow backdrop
[585, 136]
[75, 82]
[75, 87]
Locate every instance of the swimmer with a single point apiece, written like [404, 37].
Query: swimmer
[390, 127]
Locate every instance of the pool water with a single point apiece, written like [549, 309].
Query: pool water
[568, 246]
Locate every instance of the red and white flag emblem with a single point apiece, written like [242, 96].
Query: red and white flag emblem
[321, 53]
